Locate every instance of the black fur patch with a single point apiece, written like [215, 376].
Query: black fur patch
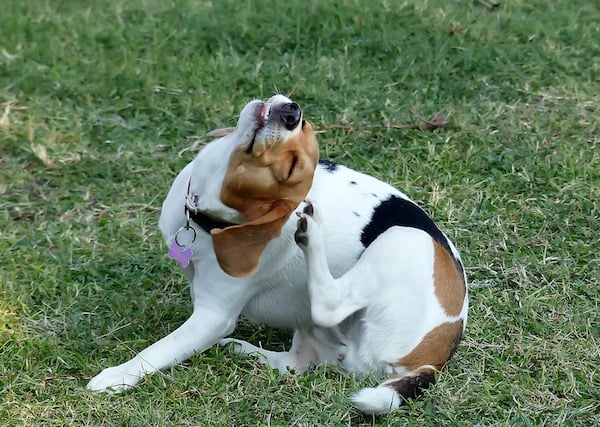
[412, 386]
[404, 213]
[328, 165]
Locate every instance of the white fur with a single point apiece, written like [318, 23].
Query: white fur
[376, 400]
[363, 314]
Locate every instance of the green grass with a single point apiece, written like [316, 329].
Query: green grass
[103, 102]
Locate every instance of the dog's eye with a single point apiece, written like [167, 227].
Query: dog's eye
[292, 167]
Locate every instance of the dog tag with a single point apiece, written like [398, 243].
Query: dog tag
[179, 251]
[180, 254]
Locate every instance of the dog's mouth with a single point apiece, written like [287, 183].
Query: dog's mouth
[261, 117]
[262, 114]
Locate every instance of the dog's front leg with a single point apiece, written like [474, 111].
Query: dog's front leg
[205, 327]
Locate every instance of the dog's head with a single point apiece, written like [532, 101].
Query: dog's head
[270, 172]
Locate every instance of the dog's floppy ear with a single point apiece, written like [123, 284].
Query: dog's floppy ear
[265, 188]
[238, 248]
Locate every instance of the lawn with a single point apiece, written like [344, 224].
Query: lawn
[103, 102]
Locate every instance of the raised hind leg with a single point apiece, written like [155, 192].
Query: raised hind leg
[406, 334]
[332, 300]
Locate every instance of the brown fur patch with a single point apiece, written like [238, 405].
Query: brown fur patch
[254, 182]
[449, 283]
[435, 348]
[265, 188]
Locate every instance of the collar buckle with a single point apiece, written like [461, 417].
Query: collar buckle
[191, 203]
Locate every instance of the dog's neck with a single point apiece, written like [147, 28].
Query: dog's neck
[194, 213]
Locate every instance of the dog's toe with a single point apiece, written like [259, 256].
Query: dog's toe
[309, 208]
[301, 236]
[302, 224]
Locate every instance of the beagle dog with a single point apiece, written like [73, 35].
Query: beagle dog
[264, 229]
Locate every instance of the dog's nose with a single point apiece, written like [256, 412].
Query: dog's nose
[290, 115]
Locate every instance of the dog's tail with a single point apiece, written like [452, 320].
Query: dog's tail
[389, 395]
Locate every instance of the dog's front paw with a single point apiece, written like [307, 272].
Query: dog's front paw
[113, 380]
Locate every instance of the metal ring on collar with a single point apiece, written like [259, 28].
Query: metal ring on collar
[185, 228]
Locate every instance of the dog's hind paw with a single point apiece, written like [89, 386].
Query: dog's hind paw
[307, 224]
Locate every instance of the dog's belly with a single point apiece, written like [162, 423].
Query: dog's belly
[288, 307]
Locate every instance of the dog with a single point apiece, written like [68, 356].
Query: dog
[265, 229]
